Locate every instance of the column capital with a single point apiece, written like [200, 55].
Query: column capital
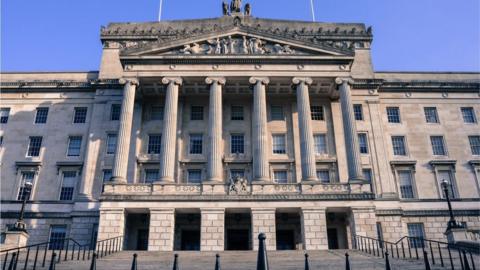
[175, 80]
[218, 80]
[342, 80]
[263, 80]
[131, 81]
[299, 80]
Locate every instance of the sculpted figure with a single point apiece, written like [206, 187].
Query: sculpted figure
[248, 9]
[231, 44]
[195, 48]
[258, 46]
[236, 6]
[224, 46]
[225, 8]
[245, 45]
[218, 47]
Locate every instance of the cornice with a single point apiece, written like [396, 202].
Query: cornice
[58, 84]
[429, 213]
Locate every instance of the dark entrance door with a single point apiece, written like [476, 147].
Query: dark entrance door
[332, 238]
[190, 240]
[285, 240]
[238, 239]
[142, 239]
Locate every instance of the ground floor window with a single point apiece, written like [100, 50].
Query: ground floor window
[58, 233]
[416, 232]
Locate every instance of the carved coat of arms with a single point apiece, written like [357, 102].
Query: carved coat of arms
[238, 185]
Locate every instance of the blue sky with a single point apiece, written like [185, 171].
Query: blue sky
[409, 35]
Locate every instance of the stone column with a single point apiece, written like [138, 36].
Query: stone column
[119, 172]
[314, 229]
[263, 221]
[261, 170]
[161, 231]
[111, 224]
[215, 153]
[169, 134]
[351, 138]
[213, 229]
[309, 167]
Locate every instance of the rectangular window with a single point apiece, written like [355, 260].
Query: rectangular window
[406, 184]
[367, 174]
[107, 175]
[276, 113]
[323, 176]
[196, 113]
[431, 115]
[25, 191]
[4, 113]
[278, 144]
[446, 175]
[111, 143]
[237, 144]
[393, 114]
[156, 113]
[34, 146]
[416, 233]
[194, 176]
[363, 143]
[474, 144]
[41, 115]
[280, 176]
[468, 115]
[196, 143]
[151, 176]
[380, 234]
[317, 112]
[58, 233]
[154, 144]
[237, 173]
[115, 112]
[320, 143]
[398, 143]
[358, 112]
[80, 115]
[438, 146]
[68, 185]
[237, 113]
[74, 146]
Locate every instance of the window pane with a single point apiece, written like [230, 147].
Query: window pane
[68, 185]
[398, 143]
[362, 141]
[34, 146]
[157, 113]
[4, 113]
[237, 144]
[468, 115]
[447, 176]
[438, 147]
[475, 144]
[367, 174]
[320, 144]
[235, 173]
[276, 113]
[280, 177]
[58, 234]
[154, 144]
[278, 144]
[41, 116]
[196, 113]
[237, 113]
[416, 232]
[358, 111]
[194, 176]
[115, 112]
[151, 176]
[317, 112]
[80, 115]
[107, 175]
[26, 191]
[393, 114]
[405, 182]
[431, 115]
[74, 146]
[111, 143]
[323, 176]
[196, 142]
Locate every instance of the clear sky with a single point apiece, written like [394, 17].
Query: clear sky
[409, 35]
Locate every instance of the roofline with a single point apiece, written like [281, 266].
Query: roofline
[428, 72]
[47, 72]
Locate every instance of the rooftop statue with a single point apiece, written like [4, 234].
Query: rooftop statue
[248, 10]
[236, 6]
[225, 8]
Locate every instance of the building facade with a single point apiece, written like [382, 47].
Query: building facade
[200, 134]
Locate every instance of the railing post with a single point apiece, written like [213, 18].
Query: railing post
[217, 261]
[26, 259]
[262, 260]
[52, 262]
[387, 262]
[307, 264]
[403, 249]
[83, 256]
[16, 260]
[36, 258]
[12, 261]
[440, 253]
[465, 261]
[461, 259]
[472, 260]
[44, 255]
[431, 253]
[450, 258]
[73, 251]
[93, 264]
[416, 247]
[347, 262]
[134, 262]
[425, 260]
[175, 262]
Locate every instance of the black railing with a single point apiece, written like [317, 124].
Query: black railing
[414, 248]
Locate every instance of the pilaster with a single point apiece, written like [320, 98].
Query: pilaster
[263, 221]
[314, 229]
[162, 228]
[212, 229]
[111, 223]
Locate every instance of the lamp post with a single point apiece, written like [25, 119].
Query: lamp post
[20, 224]
[452, 223]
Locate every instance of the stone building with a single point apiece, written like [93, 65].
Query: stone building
[200, 134]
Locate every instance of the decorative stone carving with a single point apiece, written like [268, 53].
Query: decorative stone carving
[236, 6]
[248, 10]
[225, 8]
[238, 185]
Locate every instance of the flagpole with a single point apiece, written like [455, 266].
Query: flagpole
[313, 11]
[160, 11]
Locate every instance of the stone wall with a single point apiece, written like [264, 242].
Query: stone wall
[314, 224]
[111, 224]
[161, 232]
[263, 221]
[213, 230]
[363, 222]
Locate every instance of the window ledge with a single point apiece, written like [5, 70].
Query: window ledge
[437, 162]
[474, 162]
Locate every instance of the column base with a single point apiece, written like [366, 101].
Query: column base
[84, 197]
[118, 180]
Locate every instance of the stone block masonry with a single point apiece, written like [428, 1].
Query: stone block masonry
[161, 231]
[112, 223]
[212, 229]
[314, 229]
[363, 221]
[263, 221]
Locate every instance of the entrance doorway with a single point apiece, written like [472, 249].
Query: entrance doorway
[136, 231]
[288, 229]
[238, 224]
[337, 224]
[187, 230]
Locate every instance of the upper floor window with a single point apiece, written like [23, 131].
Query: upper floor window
[4, 113]
[237, 173]
[115, 112]
[151, 175]
[438, 145]
[237, 113]
[323, 176]
[68, 185]
[276, 113]
[398, 143]
[367, 174]
[280, 176]
[111, 143]
[393, 114]
[431, 115]
[196, 143]
[468, 115]
[154, 144]
[317, 112]
[363, 143]
[156, 113]
[41, 115]
[58, 233]
[107, 175]
[474, 144]
[80, 115]
[194, 176]
[25, 191]
[416, 232]
[34, 146]
[196, 113]
[447, 175]
[320, 144]
[278, 141]
[74, 146]
[237, 144]
[358, 111]
[406, 184]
